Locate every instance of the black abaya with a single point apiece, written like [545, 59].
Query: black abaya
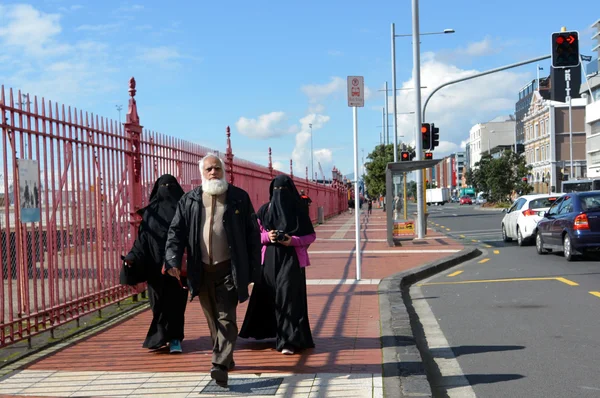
[168, 299]
[278, 304]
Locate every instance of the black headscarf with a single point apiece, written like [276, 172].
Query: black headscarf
[285, 210]
[156, 219]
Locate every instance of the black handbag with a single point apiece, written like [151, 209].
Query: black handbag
[132, 274]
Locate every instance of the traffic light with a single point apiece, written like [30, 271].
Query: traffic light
[428, 155]
[404, 156]
[435, 136]
[565, 49]
[426, 136]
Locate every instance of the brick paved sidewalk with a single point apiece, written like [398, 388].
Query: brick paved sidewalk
[344, 316]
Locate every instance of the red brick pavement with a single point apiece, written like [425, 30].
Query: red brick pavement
[344, 318]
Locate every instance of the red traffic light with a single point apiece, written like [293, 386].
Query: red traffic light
[560, 40]
[428, 155]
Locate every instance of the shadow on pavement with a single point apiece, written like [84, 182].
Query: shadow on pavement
[471, 349]
[474, 379]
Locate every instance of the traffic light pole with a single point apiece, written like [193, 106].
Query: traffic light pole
[530, 61]
[421, 227]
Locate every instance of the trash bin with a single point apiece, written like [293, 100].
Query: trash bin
[320, 215]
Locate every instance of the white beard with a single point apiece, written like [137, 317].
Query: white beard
[214, 187]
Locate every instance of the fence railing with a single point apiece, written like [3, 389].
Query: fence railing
[70, 184]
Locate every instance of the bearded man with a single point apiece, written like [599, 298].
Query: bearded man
[217, 225]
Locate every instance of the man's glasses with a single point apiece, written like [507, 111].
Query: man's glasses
[211, 168]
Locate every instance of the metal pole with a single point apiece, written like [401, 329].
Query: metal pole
[356, 197]
[530, 61]
[312, 164]
[394, 93]
[538, 77]
[571, 137]
[383, 129]
[404, 205]
[418, 142]
[386, 119]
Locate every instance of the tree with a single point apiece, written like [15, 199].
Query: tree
[378, 160]
[376, 167]
[498, 178]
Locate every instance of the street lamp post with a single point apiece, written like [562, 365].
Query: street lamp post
[417, 83]
[312, 172]
[119, 107]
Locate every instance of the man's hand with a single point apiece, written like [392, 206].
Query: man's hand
[175, 273]
[272, 235]
[287, 241]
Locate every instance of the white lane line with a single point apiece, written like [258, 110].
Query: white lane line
[341, 232]
[385, 251]
[336, 282]
[446, 361]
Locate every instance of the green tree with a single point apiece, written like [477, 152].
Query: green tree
[498, 178]
[376, 167]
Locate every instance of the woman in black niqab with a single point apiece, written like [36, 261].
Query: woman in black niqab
[167, 296]
[278, 305]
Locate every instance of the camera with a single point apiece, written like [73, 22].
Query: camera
[280, 236]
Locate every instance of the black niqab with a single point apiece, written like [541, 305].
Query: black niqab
[156, 219]
[285, 211]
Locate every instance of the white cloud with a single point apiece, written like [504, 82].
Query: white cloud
[455, 108]
[130, 8]
[301, 152]
[335, 53]
[269, 125]
[162, 54]
[318, 92]
[279, 166]
[44, 63]
[25, 28]
[103, 28]
[480, 48]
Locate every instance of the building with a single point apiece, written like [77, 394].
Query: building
[591, 91]
[458, 169]
[483, 137]
[523, 104]
[548, 142]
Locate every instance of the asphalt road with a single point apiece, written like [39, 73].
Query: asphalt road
[510, 323]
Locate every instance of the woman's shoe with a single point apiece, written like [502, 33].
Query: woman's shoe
[287, 351]
[175, 347]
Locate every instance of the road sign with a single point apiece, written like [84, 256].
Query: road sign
[356, 91]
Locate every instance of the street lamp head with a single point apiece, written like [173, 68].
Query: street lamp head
[448, 30]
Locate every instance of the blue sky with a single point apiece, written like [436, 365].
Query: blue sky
[269, 68]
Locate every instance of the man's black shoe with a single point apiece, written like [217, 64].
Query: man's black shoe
[231, 365]
[219, 374]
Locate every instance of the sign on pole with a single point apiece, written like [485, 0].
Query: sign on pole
[356, 91]
[29, 190]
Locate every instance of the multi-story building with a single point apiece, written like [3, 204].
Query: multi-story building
[483, 137]
[591, 91]
[548, 142]
[523, 104]
[457, 169]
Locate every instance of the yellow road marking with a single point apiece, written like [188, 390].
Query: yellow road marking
[550, 278]
[485, 260]
[442, 226]
[462, 236]
[474, 240]
[455, 273]
[496, 251]
[447, 229]
[597, 294]
[488, 246]
[568, 282]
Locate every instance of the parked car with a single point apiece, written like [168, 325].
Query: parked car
[521, 219]
[465, 200]
[571, 225]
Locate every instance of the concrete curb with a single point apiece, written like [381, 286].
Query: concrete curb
[496, 209]
[404, 372]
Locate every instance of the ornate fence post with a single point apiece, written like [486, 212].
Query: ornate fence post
[133, 131]
[270, 164]
[307, 187]
[229, 157]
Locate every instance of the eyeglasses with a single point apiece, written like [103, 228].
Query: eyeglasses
[211, 168]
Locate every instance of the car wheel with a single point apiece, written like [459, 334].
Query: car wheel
[520, 240]
[539, 244]
[568, 248]
[505, 238]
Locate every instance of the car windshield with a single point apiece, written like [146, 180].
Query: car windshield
[590, 202]
[541, 203]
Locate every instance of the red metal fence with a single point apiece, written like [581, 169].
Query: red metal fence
[88, 175]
